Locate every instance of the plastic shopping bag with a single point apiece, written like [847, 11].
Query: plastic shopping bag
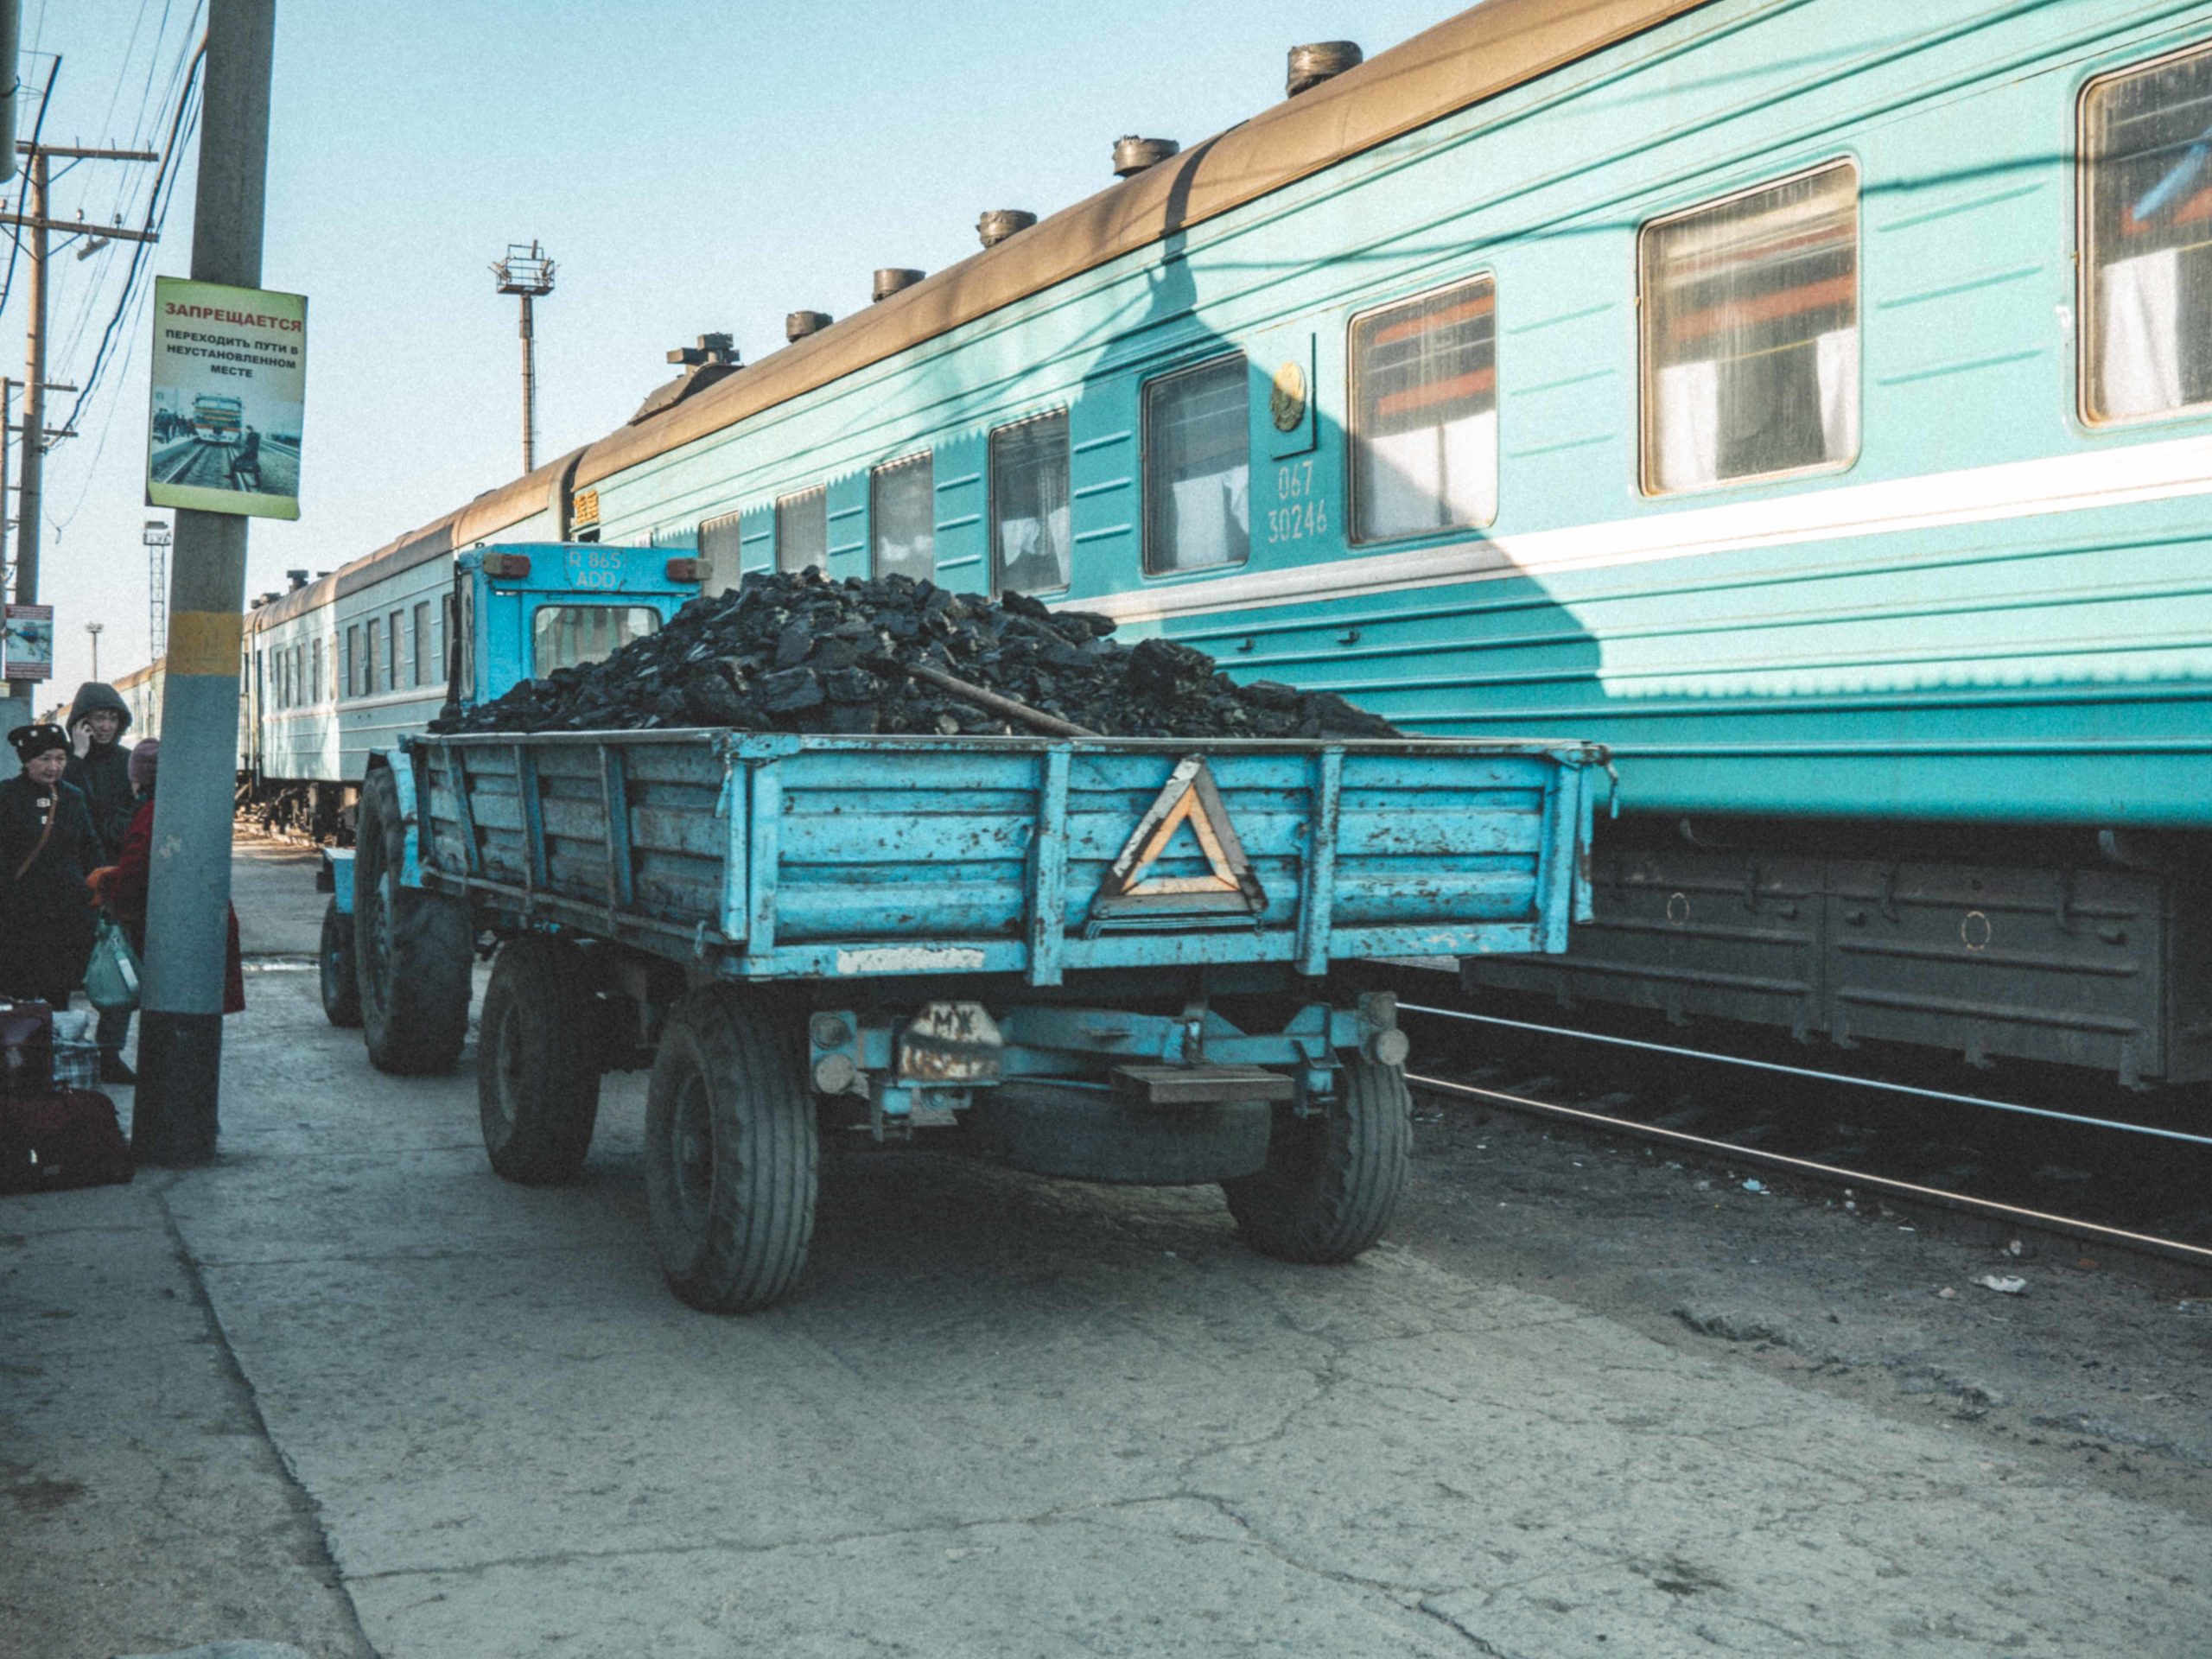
[111, 976]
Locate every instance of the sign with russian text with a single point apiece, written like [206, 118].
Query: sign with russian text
[229, 389]
[27, 643]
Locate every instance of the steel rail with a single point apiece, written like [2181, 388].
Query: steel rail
[1819, 1077]
[2149, 1242]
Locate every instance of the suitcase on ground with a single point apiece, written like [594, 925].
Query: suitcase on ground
[60, 1139]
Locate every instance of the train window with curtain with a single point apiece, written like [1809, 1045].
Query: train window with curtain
[2146, 212]
[375, 639]
[565, 636]
[295, 675]
[803, 530]
[720, 546]
[1424, 441]
[393, 656]
[422, 642]
[1197, 465]
[1751, 334]
[315, 678]
[902, 517]
[1029, 506]
[353, 660]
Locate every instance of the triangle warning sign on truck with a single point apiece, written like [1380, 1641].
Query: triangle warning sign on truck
[1189, 800]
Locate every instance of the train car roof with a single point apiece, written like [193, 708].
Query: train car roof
[1462, 61]
[486, 515]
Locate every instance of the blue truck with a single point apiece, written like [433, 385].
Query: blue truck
[1105, 959]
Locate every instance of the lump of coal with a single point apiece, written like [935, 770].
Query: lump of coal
[801, 653]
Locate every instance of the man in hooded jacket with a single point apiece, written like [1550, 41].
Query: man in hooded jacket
[100, 768]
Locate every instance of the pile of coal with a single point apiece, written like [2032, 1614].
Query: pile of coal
[800, 653]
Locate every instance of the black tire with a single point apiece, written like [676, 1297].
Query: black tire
[341, 992]
[414, 952]
[537, 1061]
[1332, 1181]
[732, 1152]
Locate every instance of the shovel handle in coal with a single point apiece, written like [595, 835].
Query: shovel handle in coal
[995, 703]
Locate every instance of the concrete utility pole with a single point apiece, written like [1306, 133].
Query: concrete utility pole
[94, 628]
[35, 386]
[180, 1037]
[527, 272]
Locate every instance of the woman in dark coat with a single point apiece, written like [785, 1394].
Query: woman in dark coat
[47, 849]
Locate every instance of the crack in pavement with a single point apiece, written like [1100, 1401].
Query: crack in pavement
[302, 1503]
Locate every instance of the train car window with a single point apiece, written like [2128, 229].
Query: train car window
[353, 660]
[369, 686]
[1029, 506]
[422, 642]
[393, 656]
[315, 678]
[720, 546]
[1198, 455]
[803, 530]
[562, 636]
[2146, 214]
[902, 516]
[1751, 334]
[1424, 399]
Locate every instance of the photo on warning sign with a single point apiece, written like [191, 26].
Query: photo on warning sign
[228, 399]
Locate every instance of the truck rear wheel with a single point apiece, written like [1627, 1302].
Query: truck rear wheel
[1331, 1180]
[341, 992]
[537, 1061]
[413, 952]
[732, 1152]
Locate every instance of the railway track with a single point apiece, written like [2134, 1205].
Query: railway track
[2146, 1186]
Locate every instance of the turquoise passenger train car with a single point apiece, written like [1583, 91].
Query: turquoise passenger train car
[1810, 400]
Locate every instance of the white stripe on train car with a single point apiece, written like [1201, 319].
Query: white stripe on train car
[2021, 489]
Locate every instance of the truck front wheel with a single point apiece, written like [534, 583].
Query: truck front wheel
[1331, 1179]
[341, 995]
[414, 952]
[731, 1152]
[537, 1058]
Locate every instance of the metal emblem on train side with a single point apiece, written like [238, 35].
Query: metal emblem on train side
[1286, 400]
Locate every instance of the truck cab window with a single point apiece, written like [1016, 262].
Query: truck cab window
[564, 636]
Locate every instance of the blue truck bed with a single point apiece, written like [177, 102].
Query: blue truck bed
[785, 857]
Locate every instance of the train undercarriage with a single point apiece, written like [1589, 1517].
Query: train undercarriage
[2083, 948]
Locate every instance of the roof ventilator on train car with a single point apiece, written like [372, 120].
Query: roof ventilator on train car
[1132, 154]
[995, 225]
[798, 325]
[1320, 60]
[713, 352]
[892, 279]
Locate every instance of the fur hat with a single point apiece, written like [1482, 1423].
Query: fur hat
[143, 759]
[31, 741]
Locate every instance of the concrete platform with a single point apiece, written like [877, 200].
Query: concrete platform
[348, 1390]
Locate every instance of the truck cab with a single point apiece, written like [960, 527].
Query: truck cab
[517, 611]
[523, 609]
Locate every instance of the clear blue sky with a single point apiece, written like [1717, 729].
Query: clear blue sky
[692, 166]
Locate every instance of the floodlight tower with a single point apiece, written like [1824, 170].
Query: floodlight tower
[94, 628]
[155, 536]
[526, 272]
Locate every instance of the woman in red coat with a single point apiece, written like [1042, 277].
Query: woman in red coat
[122, 887]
